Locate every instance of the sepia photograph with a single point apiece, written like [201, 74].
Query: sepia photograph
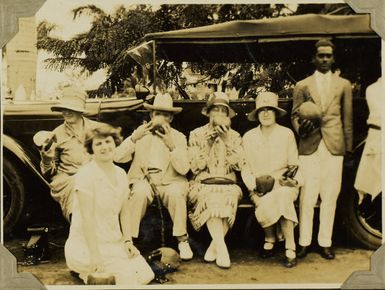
[163, 145]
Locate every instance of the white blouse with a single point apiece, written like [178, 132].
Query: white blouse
[269, 155]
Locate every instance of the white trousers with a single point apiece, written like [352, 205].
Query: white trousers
[322, 173]
[173, 197]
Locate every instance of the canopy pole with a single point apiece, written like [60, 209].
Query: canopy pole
[154, 65]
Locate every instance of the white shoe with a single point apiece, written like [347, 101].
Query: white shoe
[185, 250]
[223, 257]
[211, 253]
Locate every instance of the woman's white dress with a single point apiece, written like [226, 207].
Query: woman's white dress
[108, 201]
[368, 179]
[271, 156]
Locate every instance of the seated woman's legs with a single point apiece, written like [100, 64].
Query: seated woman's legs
[268, 246]
[211, 252]
[218, 230]
[288, 232]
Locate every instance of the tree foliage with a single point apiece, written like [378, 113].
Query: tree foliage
[105, 44]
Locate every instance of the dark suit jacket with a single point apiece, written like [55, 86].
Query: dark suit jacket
[336, 123]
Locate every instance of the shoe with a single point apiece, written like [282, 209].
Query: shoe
[211, 253]
[290, 258]
[185, 251]
[302, 252]
[223, 258]
[269, 252]
[290, 262]
[327, 253]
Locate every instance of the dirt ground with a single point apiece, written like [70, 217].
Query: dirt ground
[246, 268]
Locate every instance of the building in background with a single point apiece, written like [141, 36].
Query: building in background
[20, 62]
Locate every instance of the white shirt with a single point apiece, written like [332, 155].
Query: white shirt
[158, 156]
[323, 82]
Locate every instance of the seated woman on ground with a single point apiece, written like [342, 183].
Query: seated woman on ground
[97, 241]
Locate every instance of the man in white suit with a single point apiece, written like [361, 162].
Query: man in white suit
[162, 151]
[322, 117]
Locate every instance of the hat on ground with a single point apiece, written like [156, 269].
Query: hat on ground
[163, 102]
[265, 100]
[216, 99]
[73, 99]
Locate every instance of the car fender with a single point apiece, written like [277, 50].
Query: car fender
[24, 156]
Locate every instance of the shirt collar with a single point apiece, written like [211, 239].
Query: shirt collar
[320, 75]
[71, 132]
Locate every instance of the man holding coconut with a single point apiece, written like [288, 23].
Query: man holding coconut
[322, 117]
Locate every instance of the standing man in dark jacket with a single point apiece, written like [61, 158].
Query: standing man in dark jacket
[322, 117]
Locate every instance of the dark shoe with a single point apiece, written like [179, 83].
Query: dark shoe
[290, 262]
[327, 253]
[302, 252]
[267, 253]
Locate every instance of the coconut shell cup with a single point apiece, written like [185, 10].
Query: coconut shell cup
[222, 121]
[158, 128]
[264, 184]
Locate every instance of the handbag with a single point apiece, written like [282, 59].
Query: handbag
[290, 172]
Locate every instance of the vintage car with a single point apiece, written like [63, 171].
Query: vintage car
[284, 39]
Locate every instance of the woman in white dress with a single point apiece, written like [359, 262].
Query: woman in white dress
[368, 179]
[269, 151]
[97, 241]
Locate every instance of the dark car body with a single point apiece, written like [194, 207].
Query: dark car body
[288, 39]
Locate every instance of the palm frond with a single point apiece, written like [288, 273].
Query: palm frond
[90, 10]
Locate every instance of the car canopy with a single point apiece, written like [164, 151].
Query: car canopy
[249, 40]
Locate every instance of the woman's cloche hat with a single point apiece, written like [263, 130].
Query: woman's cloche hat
[163, 102]
[218, 98]
[73, 99]
[265, 100]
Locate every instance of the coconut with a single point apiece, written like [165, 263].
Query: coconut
[310, 111]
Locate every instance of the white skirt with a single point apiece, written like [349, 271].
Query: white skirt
[368, 178]
[275, 204]
[212, 200]
[127, 271]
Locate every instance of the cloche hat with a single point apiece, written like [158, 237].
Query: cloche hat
[218, 98]
[265, 100]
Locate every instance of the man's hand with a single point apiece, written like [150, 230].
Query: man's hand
[141, 131]
[305, 127]
[131, 250]
[167, 136]
[287, 182]
[48, 150]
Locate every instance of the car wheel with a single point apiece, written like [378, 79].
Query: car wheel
[13, 195]
[363, 222]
